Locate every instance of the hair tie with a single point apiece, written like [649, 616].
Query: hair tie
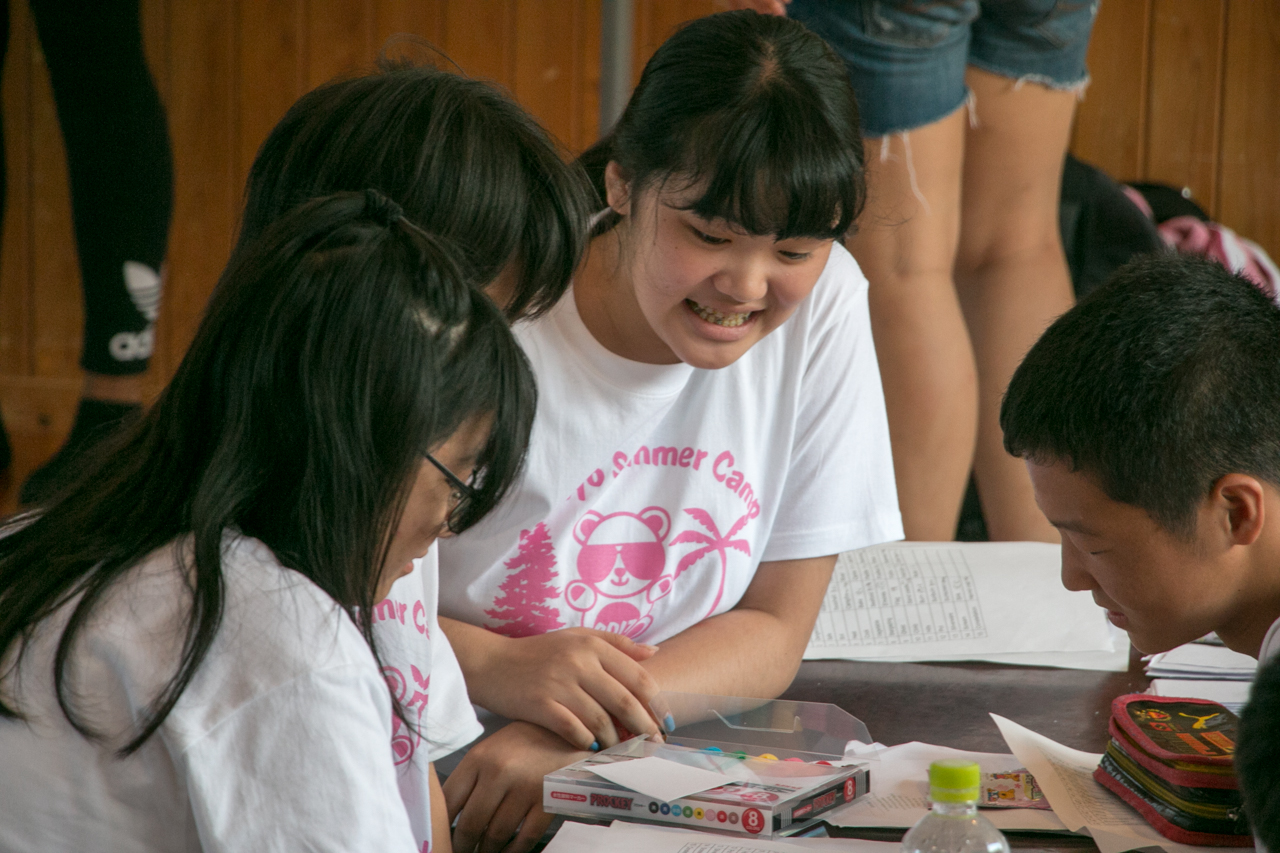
[381, 209]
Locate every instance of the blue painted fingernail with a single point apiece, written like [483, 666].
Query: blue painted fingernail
[670, 722]
[595, 746]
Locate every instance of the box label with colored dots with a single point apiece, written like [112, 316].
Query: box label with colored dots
[761, 797]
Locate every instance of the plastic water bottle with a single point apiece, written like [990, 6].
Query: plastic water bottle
[954, 825]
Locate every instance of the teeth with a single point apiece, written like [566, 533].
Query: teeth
[716, 317]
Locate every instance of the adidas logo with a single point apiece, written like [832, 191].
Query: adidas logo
[143, 284]
[131, 346]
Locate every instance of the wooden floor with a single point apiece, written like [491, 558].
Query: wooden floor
[37, 416]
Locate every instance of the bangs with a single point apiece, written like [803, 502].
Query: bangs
[772, 172]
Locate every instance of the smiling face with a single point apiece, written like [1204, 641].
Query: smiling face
[1162, 589]
[431, 498]
[671, 286]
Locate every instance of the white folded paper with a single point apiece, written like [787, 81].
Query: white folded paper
[659, 778]
[1202, 661]
[1233, 694]
[900, 791]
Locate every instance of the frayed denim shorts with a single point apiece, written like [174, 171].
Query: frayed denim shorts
[907, 58]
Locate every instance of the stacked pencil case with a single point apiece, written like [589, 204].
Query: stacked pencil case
[1171, 760]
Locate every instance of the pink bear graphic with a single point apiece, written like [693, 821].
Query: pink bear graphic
[620, 569]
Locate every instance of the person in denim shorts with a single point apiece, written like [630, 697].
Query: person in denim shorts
[960, 235]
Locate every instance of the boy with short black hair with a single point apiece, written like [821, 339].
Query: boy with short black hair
[1149, 416]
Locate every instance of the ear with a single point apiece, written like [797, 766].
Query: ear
[617, 189]
[657, 520]
[1240, 501]
[582, 530]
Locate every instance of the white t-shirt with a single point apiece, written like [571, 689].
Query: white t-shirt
[279, 742]
[652, 492]
[424, 674]
[1270, 644]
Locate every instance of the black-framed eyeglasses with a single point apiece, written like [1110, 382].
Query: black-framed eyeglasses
[460, 495]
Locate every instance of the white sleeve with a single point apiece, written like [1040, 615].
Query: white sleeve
[840, 492]
[306, 766]
[451, 720]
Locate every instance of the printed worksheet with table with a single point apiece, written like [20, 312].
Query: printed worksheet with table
[946, 601]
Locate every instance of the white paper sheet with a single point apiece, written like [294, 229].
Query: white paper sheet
[1203, 661]
[573, 837]
[1066, 777]
[623, 837]
[955, 601]
[900, 791]
[1233, 694]
[1103, 661]
[659, 778]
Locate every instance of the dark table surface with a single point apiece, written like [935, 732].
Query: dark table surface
[948, 704]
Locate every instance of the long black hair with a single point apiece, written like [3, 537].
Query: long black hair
[759, 111]
[465, 162]
[336, 349]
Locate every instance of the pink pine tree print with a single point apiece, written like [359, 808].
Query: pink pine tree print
[524, 603]
[715, 542]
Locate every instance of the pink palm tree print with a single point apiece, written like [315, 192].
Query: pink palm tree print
[715, 542]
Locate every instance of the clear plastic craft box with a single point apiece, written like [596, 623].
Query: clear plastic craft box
[782, 762]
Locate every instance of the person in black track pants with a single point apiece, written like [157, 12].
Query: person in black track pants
[121, 174]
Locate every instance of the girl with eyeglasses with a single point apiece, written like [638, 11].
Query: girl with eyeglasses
[188, 658]
[466, 163]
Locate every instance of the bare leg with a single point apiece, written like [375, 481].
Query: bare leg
[1011, 274]
[907, 248]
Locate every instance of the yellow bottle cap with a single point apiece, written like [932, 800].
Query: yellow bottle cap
[954, 780]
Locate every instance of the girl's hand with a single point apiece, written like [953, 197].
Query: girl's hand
[496, 791]
[579, 683]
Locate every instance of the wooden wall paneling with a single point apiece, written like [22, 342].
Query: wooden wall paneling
[548, 78]
[1187, 38]
[273, 72]
[37, 409]
[1249, 198]
[1111, 120]
[339, 39]
[203, 73]
[424, 19]
[16, 243]
[480, 36]
[656, 20]
[589, 48]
